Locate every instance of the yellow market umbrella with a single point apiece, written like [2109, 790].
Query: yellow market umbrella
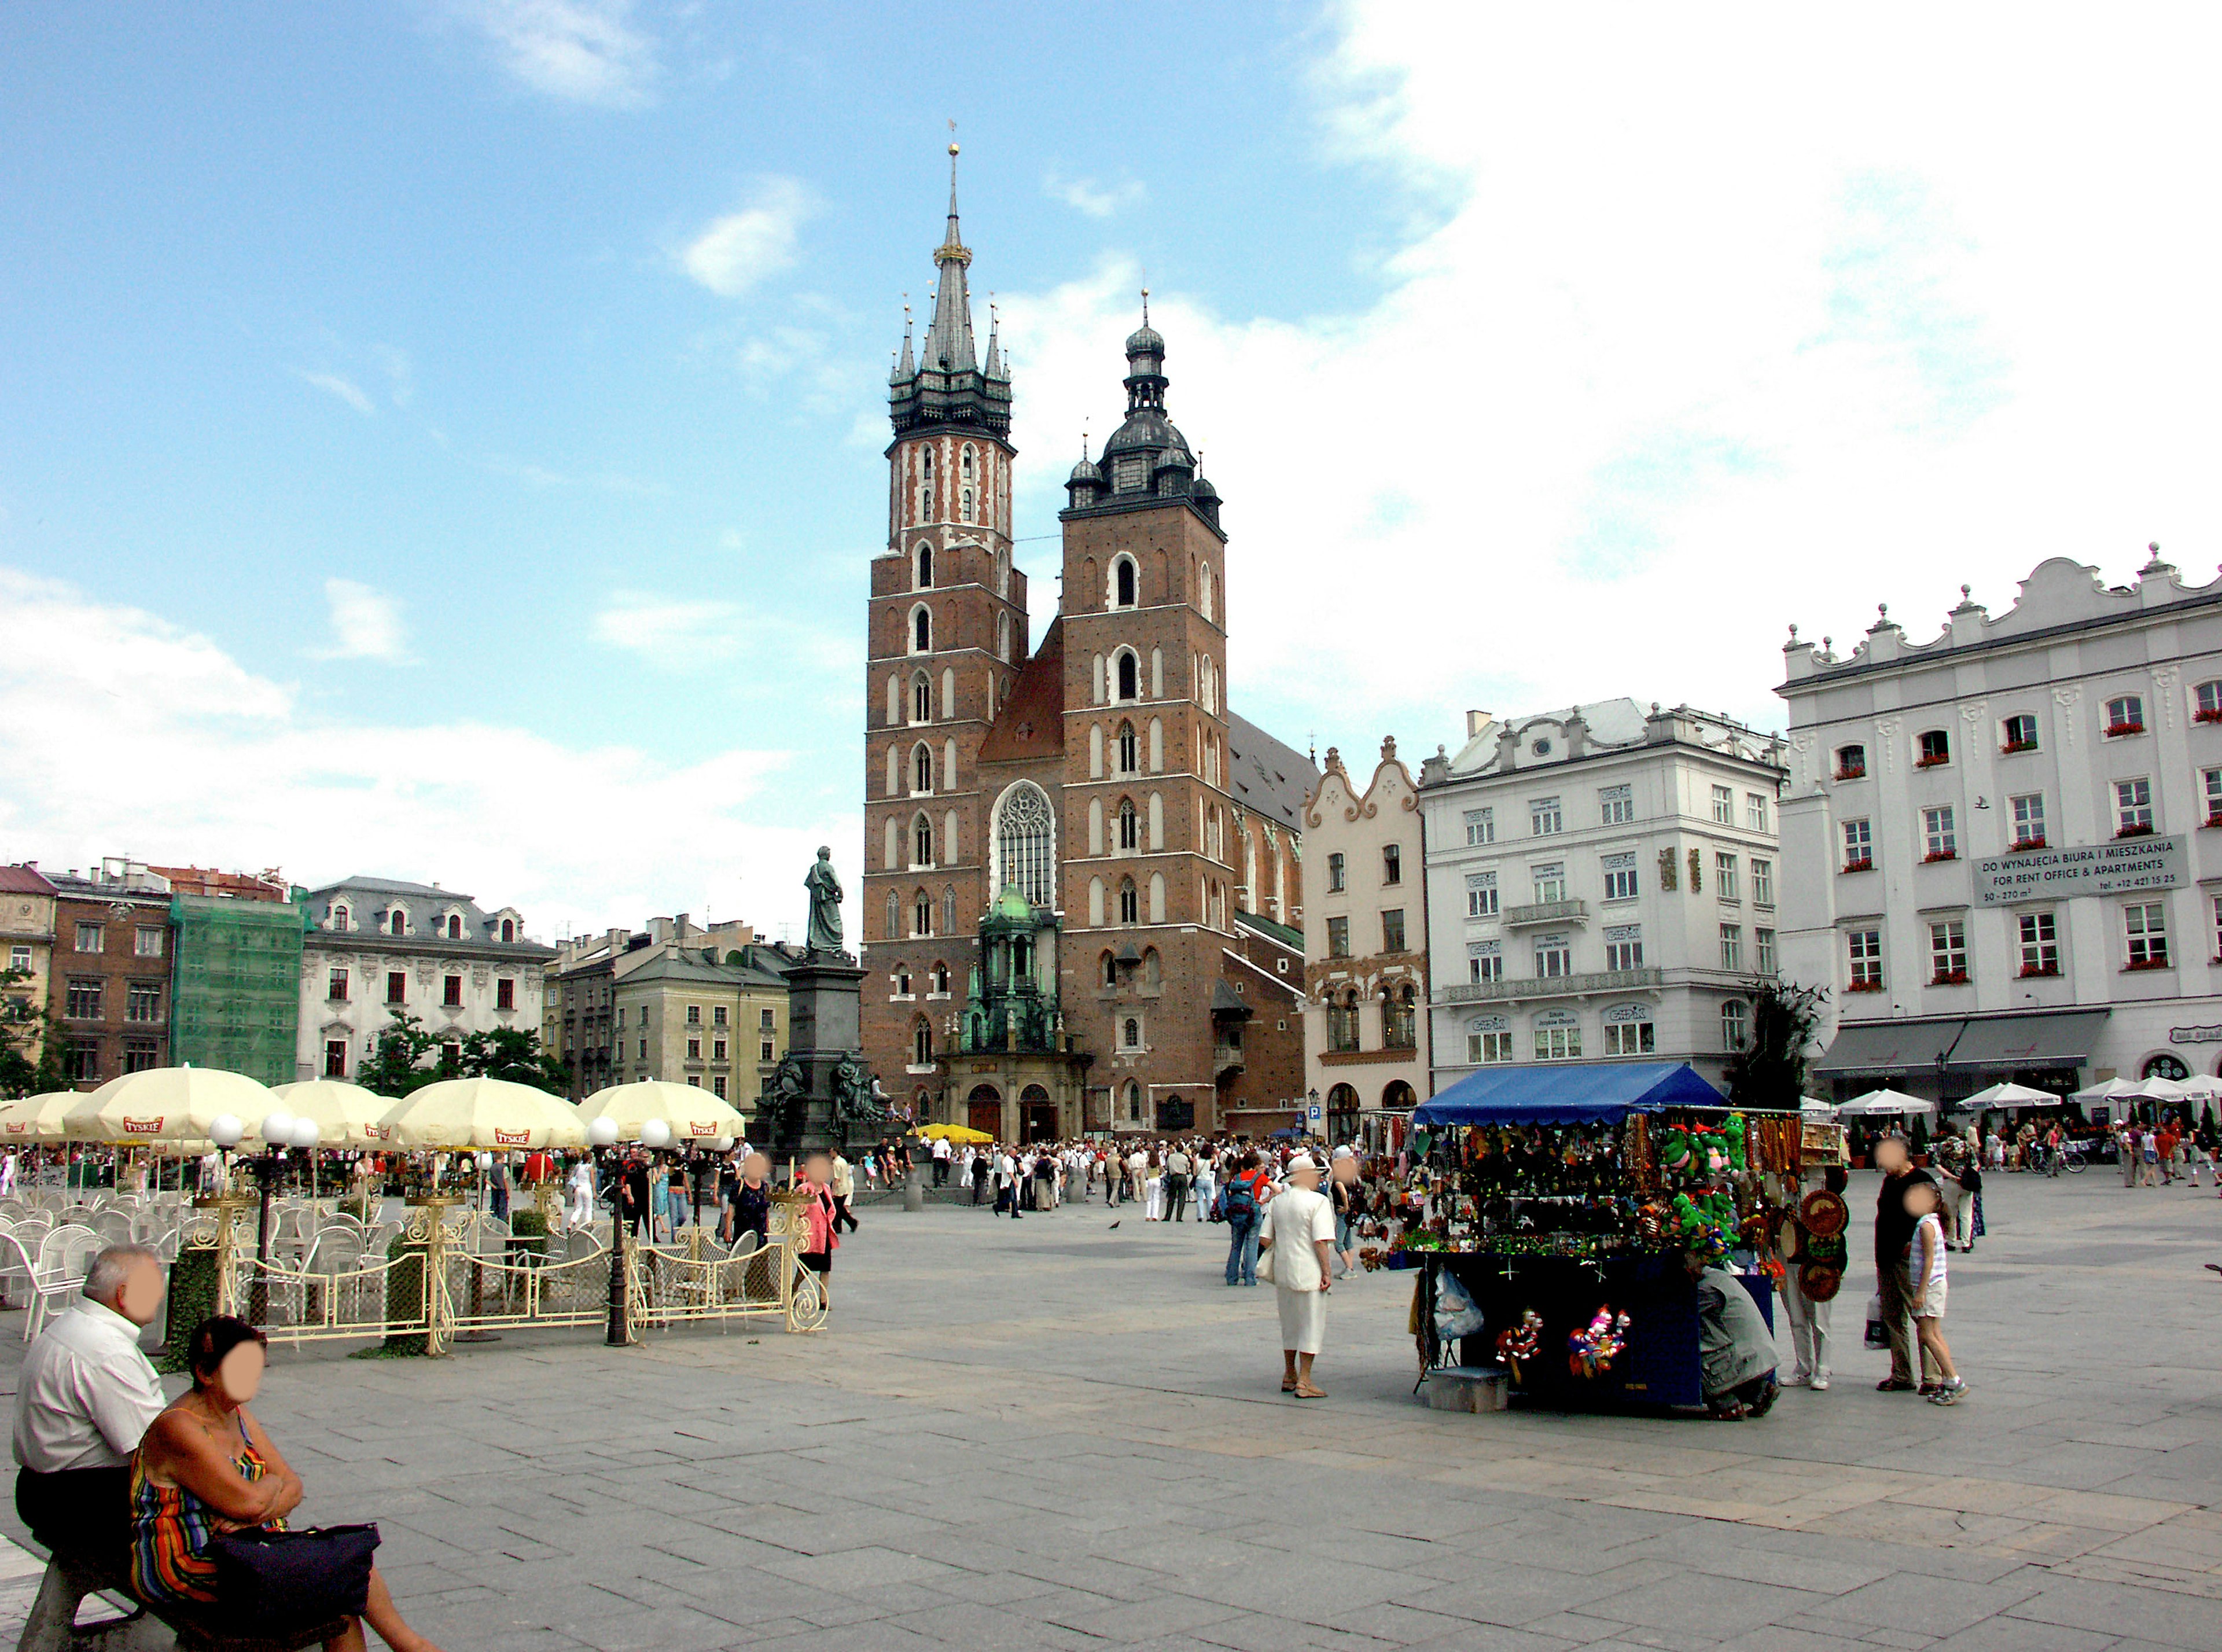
[696, 1117]
[956, 1133]
[36, 1119]
[347, 1116]
[482, 1113]
[172, 1107]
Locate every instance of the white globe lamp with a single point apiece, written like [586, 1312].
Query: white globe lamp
[602, 1132]
[655, 1134]
[225, 1130]
[306, 1133]
[278, 1127]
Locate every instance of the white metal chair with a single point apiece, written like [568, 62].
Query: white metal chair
[59, 1272]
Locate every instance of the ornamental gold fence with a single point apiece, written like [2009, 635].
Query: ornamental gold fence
[433, 1284]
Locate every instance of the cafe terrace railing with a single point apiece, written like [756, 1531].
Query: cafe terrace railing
[435, 1285]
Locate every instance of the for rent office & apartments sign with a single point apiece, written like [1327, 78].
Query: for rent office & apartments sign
[2118, 868]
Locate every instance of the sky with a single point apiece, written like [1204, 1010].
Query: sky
[443, 437]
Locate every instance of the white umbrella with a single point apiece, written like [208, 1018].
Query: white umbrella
[169, 1107]
[36, 1118]
[1884, 1101]
[2008, 1094]
[347, 1116]
[2202, 1087]
[483, 1113]
[693, 1113]
[1816, 1106]
[2155, 1088]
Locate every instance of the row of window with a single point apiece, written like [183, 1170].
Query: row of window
[2134, 817]
[1393, 933]
[146, 942]
[1623, 950]
[1392, 868]
[338, 989]
[81, 1059]
[1548, 880]
[921, 566]
[84, 997]
[1556, 1035]
[394, 920]
[2125, 716]
[2036, 936]
[1398, 1007]
[1546, 816]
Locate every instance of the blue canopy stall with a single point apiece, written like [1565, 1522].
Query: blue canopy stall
[1536, 1210]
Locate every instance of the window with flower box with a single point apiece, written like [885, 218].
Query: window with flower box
[1859, 846]
[1851, 763]
[1948, 953]
[1864, 948]
[2028, 820]
[1939, 835]
[2144, 930]
[2125, 714]
[2017, 733]
[2206, 703]
[2210, 779]
[1933, 749]
[2040, 944]
[2133, 808]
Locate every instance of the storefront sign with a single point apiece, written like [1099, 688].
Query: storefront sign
[2194, 1035]
[2099, 868]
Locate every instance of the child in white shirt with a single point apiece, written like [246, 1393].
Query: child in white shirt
[1925, 1288]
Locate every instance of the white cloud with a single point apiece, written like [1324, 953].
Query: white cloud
[587, 50]
[735, 252]
[684, 634]
[346, 389]
[366, 624]
[1750, 322]
[228, 770]
[1097, 200]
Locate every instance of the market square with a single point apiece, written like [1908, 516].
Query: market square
[1055, 1433]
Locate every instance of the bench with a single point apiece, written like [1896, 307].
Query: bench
[53, 1625]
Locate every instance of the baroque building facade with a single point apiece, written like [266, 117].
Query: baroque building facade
[1097, 780]
[1366, 948]
[2003, 847]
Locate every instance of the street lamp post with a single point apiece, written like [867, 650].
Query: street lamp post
[601, 1136]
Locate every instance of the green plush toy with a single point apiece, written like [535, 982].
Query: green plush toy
[1674, 1150]
[1720, 1209]
[1688, 1216]
[1733, 1130]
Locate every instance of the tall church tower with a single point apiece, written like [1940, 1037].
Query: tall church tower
[1148, 882]
[947, 635]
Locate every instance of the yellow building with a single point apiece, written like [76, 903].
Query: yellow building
[684, 1020]
[27, 933]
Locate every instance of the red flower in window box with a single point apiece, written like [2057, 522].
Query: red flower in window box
[1940, 854]
[1855, 772]
[2148, 963]
[2016, 847]
[1948, 978]
[2032, 971]
[1932, 760]
[2214, 716]
[2214, 820]
[2114, 730]
[1864, 986]
[2144, 831]
[2012, 746]
[1859, 865]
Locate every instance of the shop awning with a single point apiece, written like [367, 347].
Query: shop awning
[1883, 1047]
[2008, 1042]
[1556, 1095]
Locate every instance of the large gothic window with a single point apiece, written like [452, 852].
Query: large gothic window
[922, 912]
[921, 699]
[921, 767]
[1130, 836]
[921, 1043]
[921, 842]
[1130, 903]
[1026, 843]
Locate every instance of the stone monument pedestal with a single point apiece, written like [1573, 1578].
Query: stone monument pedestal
[823, 1030]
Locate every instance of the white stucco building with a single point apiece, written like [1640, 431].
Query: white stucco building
[1365, 945]
[1600, 887]
[2000, 846]
[375, 946]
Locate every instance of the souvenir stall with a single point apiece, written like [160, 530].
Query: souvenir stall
[1551, 1213]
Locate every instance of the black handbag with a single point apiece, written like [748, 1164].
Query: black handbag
[269, 1582]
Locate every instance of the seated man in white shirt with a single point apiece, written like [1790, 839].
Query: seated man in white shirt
[83, 1400]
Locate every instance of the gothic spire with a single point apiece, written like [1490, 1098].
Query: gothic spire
[948, 344]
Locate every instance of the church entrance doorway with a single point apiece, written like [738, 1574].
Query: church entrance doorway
[983, 1110]
[1037, 1115]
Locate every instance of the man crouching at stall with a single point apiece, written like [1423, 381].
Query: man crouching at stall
[1736, 1352]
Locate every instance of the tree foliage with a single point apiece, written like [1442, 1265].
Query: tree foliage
[1770, 1071]
[405, 1058]
[30, 1053]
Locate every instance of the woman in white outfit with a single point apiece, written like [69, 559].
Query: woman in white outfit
[582, 1211]
[1299, 1233]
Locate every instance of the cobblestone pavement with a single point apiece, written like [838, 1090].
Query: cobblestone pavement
[1058, 1434]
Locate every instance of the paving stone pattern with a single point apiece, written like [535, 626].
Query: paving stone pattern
[1054, 1434]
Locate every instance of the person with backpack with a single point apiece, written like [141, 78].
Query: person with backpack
[1242, 1203]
